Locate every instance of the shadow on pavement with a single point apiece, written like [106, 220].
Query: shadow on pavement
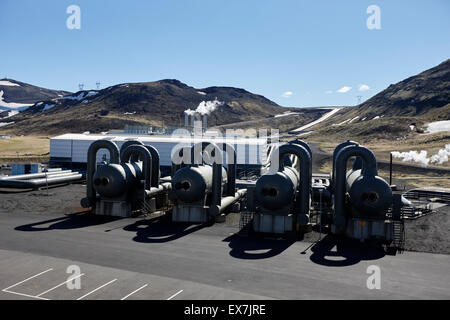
[72, 221]
[254, 247]
[161, 229]
[347, 252]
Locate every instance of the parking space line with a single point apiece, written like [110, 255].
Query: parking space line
[174, 295]
[36, 275]
[96, 289]
[128, 295]
[24, 295]
[59, 285]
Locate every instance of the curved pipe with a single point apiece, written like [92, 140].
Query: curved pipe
[155, 166]
[142, 152]
[231, 161]
[304, 187]
[180, 151]
[128, 143]
[306, 146]
[338, 148]
[231, 168]
[216, 195]
[92, 166]
[369, 169]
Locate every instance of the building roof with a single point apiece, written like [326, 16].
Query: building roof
[160, 138]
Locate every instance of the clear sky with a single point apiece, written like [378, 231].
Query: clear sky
[296, 53]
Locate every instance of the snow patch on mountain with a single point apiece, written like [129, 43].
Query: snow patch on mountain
[12, 105]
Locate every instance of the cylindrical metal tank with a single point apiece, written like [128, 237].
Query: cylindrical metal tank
[275, 191]
[114, 180]
[369, 195]
[190, 184]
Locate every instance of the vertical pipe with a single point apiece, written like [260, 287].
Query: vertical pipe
[231, 169]
[216, 187]
[390, 169]
[114, 152]
[205, 122]
[335, 153]
[186, 120]
[304, 187]
[155, 166]
[147, 163]
[369, 169]
[192, 120]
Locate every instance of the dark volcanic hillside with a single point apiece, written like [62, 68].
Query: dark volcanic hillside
[26, 93]
[415, 96]
[154, 103]
[397, 112]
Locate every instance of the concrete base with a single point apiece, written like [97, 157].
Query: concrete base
[194, 214]
[268, 223]
[113, 208]
[364, 229]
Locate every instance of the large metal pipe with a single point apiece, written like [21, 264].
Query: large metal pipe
[191, 184]
[160, 189]
[307, 147]
[197, 157]
[35, 175]
[369, 169]
[155, 159]
[227, 202]
[275, 191]
[338, 148]
[37, 183]
[205, 122]
[155, 173]
[302, 207]
[186, 120]
[369, 195]
[216, 154]
[180, 154]
[114, 180]
[114, 152]
[128, 143]
[143, 153]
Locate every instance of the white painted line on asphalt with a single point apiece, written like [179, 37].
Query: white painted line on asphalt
[24, 295]
[36, 275]
[173, 296]
[59, 285]
[96, 289]
[128, 295]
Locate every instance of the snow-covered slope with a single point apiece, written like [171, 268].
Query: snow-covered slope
[16, 96]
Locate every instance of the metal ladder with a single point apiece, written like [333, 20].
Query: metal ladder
[399, 234]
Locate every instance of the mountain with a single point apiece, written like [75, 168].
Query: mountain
[425, 95]
[399, 111]
[16, 96]
[148, 103]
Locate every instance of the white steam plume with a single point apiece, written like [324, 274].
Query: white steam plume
[442, 155]
[205, 107]
[421, 157]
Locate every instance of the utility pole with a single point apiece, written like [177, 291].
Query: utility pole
[98, 85]
[81, 86]
[359, 99]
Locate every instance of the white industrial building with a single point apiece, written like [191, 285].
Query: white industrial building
[71, 149]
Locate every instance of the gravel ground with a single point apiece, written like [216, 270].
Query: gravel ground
[430, 233]
[64, 199]
[427, 234]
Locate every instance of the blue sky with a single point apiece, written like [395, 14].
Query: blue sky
[310, 49]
